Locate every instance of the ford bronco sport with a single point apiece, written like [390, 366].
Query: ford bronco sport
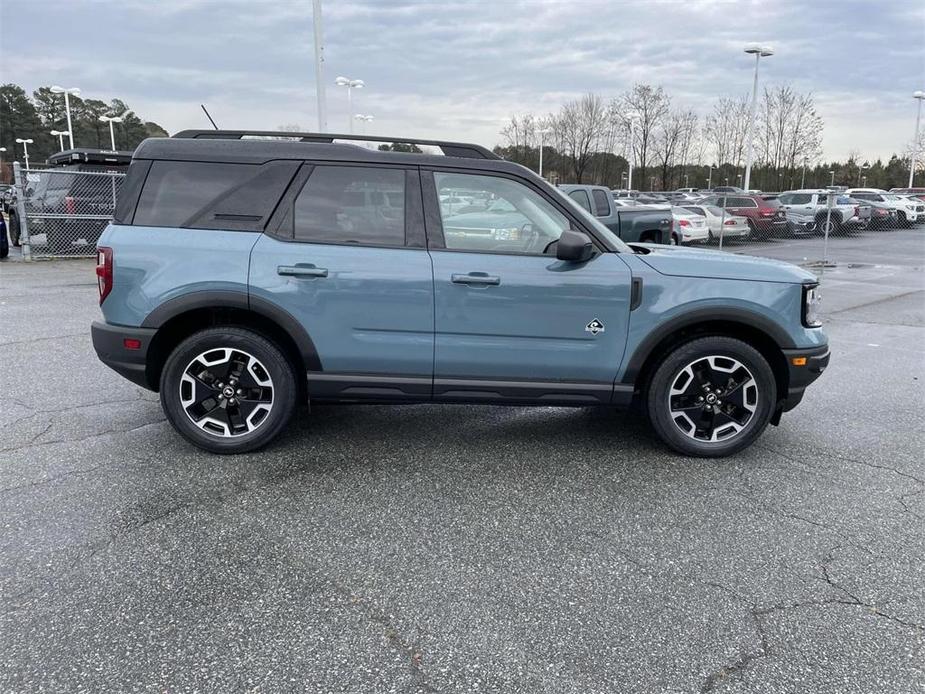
[243, 274]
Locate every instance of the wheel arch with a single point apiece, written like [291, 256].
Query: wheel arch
[769, 339]
[177, 319]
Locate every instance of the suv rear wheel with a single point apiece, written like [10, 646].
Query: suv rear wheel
[14, 229]
[711, 397]
[228, 390]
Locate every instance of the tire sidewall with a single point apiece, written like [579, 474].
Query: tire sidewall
[272, 358]
[660, 384]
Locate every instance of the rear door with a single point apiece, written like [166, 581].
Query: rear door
[346, 258]
[512, 322]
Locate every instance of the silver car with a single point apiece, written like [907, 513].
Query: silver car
[718, 221]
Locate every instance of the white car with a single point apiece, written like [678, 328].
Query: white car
[688, 227]
[716, 220]
[908, 211]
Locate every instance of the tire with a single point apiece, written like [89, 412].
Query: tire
[674, 240]
[233, 357]
[901, 220]
[752, 232]
[14, 230]
[686, 370]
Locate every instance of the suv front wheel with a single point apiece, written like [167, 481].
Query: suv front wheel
[711, 397]
[228, 390]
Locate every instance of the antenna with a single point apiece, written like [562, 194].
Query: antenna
[203, 107]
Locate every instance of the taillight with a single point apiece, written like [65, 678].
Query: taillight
[104, 271]
[684, 223]
[70, 205]
[730, 222]
[766, 213]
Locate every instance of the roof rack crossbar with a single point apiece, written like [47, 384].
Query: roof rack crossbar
[449, 149]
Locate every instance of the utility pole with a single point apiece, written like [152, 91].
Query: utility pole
[319, 67]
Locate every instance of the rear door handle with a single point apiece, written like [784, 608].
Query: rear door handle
[479, 278]
[302, 271]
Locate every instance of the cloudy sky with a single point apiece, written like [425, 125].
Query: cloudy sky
[457, 70]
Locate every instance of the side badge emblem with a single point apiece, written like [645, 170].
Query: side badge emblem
[594, 327]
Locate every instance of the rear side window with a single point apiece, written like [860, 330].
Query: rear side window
[352, 204]
[175, 192]
[581, 197]
[797, 199]
[601, 206]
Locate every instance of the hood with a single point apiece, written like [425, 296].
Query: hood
[688, 262]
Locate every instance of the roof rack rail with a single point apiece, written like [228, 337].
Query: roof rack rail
[449, 149]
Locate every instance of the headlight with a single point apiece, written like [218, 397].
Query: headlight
[811, 300]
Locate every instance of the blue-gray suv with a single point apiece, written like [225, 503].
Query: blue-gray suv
[245, 273]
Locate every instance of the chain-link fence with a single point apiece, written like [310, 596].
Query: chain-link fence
[62, 212]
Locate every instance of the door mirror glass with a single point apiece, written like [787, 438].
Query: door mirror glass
[574, 247]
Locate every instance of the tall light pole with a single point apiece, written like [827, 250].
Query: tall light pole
[542, 132]
[759, 52]
[60, 134]
[2, 150]
[25, 149]
[112, 135]
[629, 182]
[861, 170]
[319, 66]
[351, 85]
[67, 108]
[915, 142]
[710, 177]
[365, 118]
[803, 180]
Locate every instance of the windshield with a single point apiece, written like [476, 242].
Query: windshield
[890, 197]
[588, 219]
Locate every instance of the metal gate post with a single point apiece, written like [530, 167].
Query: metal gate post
[20, 182]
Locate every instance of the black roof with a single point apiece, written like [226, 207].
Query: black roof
[258, 148]
[82, 155]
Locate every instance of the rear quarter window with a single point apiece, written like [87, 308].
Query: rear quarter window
[601, 205]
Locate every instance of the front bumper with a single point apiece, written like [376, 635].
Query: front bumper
[801, 375]
[109, 342]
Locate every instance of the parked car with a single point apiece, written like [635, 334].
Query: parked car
[242, 276]
[907, 211]
[65, 193]
[687, 190]
[7, 193]
[727, 189]
[846, 213]
[766, 218]
[882, 216]
[688, 227]
[719, 223]
[909, 191]
[638, 223]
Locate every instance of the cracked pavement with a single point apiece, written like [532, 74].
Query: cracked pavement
[460, 549]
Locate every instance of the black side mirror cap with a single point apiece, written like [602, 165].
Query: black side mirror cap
[574, 247]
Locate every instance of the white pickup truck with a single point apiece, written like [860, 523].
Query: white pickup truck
[907, 211]
[812, 206]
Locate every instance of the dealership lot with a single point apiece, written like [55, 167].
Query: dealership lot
[452, 548]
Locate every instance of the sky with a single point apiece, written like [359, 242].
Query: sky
[458, 70]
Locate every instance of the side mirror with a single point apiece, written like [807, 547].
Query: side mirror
[574, 247]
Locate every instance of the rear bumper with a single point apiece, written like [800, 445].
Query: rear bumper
[109, 343]
[817, 359]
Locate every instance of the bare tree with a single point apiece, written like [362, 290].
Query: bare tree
[646, 106]
[725, 129]
[578, 129]
[672, 135]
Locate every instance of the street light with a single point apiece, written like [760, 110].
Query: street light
[861, 169]
[25, 149]
[542, 132]
[915, 142]
[2, 150]
[803, 180]
[759, 52]
[351, 85]
[365, 118]
[832, 184]
[67, 108]
[710, 177]
[112, 135]
[631, 121]
[60, 134]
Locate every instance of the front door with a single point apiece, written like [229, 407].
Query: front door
[349, 264]
[512, 322]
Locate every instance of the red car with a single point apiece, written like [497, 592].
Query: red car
[766, 218]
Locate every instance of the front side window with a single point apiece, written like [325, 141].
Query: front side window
[515, 220]
[797, 199]
[581, 197]
[351, 204]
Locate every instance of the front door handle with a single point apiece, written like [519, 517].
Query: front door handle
[479, 278]
[302, 271]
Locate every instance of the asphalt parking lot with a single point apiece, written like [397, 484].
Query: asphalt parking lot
[462, 549]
